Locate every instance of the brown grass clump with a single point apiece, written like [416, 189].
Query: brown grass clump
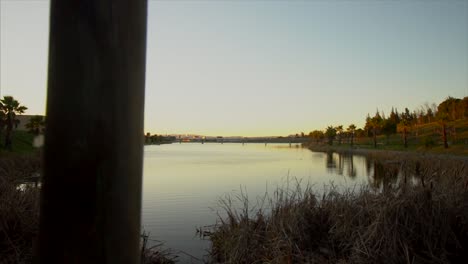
[155, 254]
[18, 168]
[19, 209]
[422, 221]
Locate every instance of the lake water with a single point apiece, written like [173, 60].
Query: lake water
[184, 182]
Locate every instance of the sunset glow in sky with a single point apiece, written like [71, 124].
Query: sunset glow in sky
[267, 67]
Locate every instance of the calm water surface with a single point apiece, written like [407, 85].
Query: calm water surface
[184, 182]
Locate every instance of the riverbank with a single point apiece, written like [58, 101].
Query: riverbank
[415, 211]
[367, 150]
[298, 225]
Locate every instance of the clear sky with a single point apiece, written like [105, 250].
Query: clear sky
[268, 67]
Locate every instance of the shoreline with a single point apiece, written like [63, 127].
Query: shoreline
[370, 151]
[424, 217]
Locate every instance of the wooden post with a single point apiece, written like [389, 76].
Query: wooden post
[91, 194]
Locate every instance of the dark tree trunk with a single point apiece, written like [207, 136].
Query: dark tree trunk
[8, 132]
[8, 141]
[91, 192]
[444, 135]
[405, 137]
[375, 137]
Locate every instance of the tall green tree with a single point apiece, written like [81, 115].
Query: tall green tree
[339, 132]
[351, 129]
[464, 105]
[388, 128]
[452, 107]
[408, 116]
[316, 135]
[10, 108]
[444, 115]
[429, 115]
[376, 124]
[36, 125]
[368, 125]
[404, 127]
[394, 118]
[330, 133]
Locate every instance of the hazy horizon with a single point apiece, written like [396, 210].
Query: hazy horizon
[267, 68]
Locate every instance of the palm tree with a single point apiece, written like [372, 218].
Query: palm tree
[339, 130]
[35, 125]
[330, 133]
[351, 130]
[10, 107]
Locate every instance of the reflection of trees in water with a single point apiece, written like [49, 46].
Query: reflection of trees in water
[385, 175]
[351, 171]
[397, 173]
[380, 174]
[388, 172]
[394, 173]
[340, 162]
[330, 162]
[368, 166]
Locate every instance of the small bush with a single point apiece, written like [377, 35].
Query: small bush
[429, 142]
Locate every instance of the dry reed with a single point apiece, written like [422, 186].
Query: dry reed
[19, 209]
[424, 220]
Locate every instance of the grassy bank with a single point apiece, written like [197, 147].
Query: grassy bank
[384, 151]
[22, 143]
[19, 213]
[417, 213]
[424, 138]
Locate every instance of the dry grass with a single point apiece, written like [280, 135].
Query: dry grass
[19, 209]
[18, 168]
[155, 254]
[422, 220]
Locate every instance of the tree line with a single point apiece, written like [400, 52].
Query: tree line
[158, 139]
[10, 108]
[451, 109]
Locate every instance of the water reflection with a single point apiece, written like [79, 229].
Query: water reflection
[385, 175]
[350, 165]
[381, 174]
[183, 182]
[341, 164]
[331, 162]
